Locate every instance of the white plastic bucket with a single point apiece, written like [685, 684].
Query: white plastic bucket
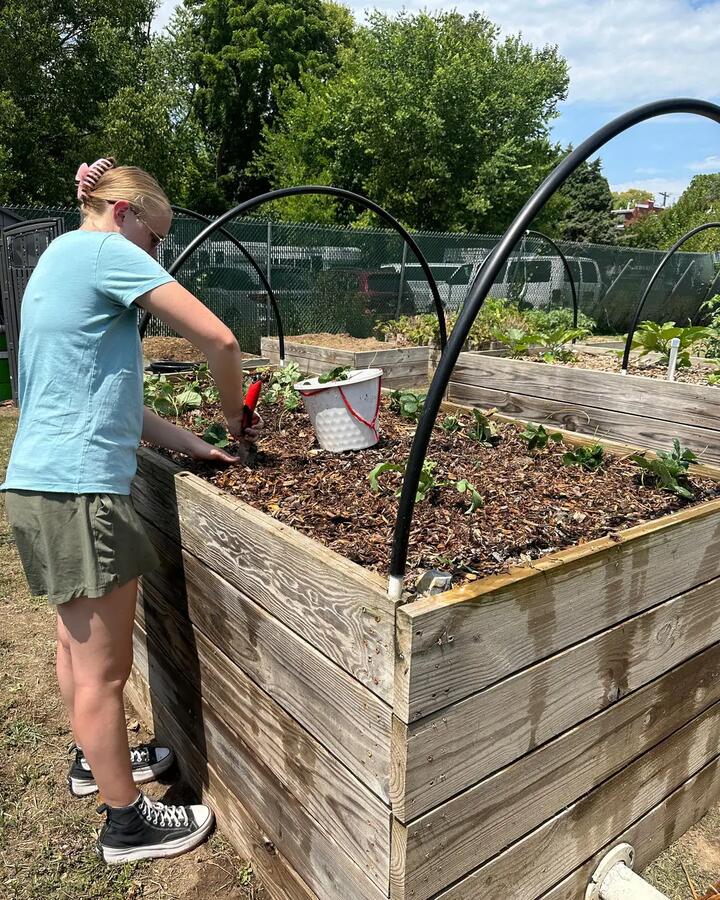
[344, 413]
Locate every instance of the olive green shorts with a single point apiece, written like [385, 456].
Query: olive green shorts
[78, 545]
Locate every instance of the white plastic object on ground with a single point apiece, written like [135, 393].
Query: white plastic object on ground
[614, 878]
[344, 413]
[674, 347]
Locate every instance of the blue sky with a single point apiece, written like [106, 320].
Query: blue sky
[621, 53]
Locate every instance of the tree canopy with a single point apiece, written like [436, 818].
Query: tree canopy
[585, 207]
[627, 199]
[433, 116]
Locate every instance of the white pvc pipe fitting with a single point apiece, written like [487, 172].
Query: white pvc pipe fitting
[674, 347]
[614, 878]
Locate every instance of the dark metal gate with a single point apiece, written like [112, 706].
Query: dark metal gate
[21, 247]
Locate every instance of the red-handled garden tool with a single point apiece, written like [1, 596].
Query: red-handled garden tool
[251, 399]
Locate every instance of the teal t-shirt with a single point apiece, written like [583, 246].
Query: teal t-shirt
[80, 366]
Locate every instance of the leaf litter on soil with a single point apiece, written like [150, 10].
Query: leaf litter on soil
[533, 504]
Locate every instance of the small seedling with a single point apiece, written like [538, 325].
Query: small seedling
[668, 468]
[339, 373]
[476, 501]
[483, 430]
[537, 437]
[589, 458]
[408, 403]
[450, 424]
[216, 435]
[714, 377]
[426, 484]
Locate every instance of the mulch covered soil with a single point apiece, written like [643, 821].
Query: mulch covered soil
[611, 362]
[339, 341]
[533, 504]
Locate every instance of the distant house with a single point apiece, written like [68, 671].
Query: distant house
[627, 217]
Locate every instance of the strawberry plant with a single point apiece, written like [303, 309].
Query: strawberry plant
[537, 437]
[476, 501]
[450, 424]
[339, 373]
[281, 388]
[409, 404]
[216, 435]
[669, 468]
[482, 430]
[428, 483]
[588, 458]
[166, 398]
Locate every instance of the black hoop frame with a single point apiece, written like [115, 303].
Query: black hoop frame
[566, 266]
[656, 275]
[313, 189]
[479, 291]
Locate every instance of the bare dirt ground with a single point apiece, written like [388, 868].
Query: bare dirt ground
[46, 836]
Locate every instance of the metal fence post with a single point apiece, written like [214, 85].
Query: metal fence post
[401, 289]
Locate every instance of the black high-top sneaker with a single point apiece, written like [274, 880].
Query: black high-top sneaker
[148, 829]
[147, 763]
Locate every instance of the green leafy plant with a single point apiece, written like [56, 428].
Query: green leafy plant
[537, 437]
[714, 377]
[216, 435]
[589, 458]
[167, 398]
[655, 338]
[482, 429]
[339, 373]
[450, 424]
[517, 340]
[409, 404]
[712, 345]
[556, 341]
[669, 468]
[281, 388]
[426, 484]
[476, 501]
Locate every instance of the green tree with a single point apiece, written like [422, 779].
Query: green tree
[433, 116]
[246, 51]
[627, 199]
[699, 203]
[61, 62]
[587, 215]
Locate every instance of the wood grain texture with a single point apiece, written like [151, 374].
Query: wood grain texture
[153, 491]
[653, 398]
[454, 748]
[278, 877]
[543, 858]
[335, 604]
[457, 836]
[652, 833]
[334, 797]
[346, 718]
[455, 643]
[314, 855]
[596, 421]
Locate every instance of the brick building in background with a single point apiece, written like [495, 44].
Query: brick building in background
[642, 209]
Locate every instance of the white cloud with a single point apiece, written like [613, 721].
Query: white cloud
[164, 11]
[709, 164]
[674, 187]
[618, 51]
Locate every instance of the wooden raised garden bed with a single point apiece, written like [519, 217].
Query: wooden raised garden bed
[642, 411]
[487, 742]
[402, 366]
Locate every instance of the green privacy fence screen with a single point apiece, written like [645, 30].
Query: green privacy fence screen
[334, 279]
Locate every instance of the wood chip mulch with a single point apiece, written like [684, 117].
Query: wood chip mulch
[533, 504]
[339, 341]
[610, 362]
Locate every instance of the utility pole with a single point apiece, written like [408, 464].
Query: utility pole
[664, 195]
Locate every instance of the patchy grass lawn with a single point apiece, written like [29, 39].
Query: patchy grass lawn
[46, 836]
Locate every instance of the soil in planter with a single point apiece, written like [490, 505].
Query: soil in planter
[339, 342]
[609, 362]
[176, 349]
[533, 504]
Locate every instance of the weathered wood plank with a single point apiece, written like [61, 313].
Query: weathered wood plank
[602, 423]
[547, 855]
[453, 644]
[358, 820]
[455, 747]
[459, 835]
[317, 858]
[336, 605]
[153, 491]
[355, 726]
[655, 831]
[689, 404]
[278, 877]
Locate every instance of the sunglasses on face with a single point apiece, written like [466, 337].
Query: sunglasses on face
[155, 238]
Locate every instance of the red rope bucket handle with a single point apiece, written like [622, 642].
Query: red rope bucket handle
[372, 423]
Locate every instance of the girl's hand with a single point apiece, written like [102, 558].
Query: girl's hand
[200, 449]
[249, 435]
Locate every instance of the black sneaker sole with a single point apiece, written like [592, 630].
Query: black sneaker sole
[82, 787]
[115, 857]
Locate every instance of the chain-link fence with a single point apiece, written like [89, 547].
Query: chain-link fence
[331, 279]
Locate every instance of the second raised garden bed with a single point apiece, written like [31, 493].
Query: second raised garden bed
[487, 742]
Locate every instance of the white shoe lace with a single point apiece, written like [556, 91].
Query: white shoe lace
[166, 816]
